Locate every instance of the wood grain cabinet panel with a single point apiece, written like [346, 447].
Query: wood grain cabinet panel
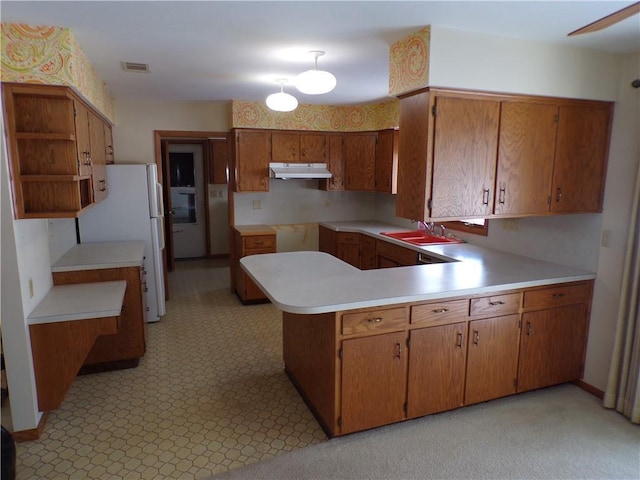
[374, 372]
[492, 358]
[438, 313]
[348, 248]
[525, 157]
[581, 153]
[367, 252]
[285, 147]
[335, 163]
[437, 363]
[252, 157]
[98, 158]
[375, 321]
[218, 161]
[465, 146]
[359, 150]
[245, 244]
[387, 161]
[313, 148]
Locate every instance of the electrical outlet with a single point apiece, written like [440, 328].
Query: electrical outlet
[31, 293]
[605, 241]
[257, 205]
[327, 202]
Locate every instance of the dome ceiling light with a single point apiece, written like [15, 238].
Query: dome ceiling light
[315, 82]
[281, 101]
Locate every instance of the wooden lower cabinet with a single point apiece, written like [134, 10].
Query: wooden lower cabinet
[364, 368]
[492, 360]
[122, 349]
[348, 248]
[250, 240]
[437, 364]
[367, 253]
[374, 371]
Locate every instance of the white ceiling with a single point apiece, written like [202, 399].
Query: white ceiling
[209, 51]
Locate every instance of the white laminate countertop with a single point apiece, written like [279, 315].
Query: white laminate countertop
[96, 256]
[316, 282]
[80, 301]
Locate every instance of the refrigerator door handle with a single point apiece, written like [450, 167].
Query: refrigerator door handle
[160, 199]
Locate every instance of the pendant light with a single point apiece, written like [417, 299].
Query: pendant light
[315, 82]
[281, 101]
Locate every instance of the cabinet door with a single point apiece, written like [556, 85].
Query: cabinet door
[360, 161]
[413, 155]
[253, 155]
[218, 161]
[464, 157]
[83, 140]
[349, 248]
[367, 252]
[437, 362]
[552, 346]
[108, 144]
[335, 164]
[374, 371]
[313, 148]
[285, 147]
[581, 154]
[327, 240]
[525, 157]
[492, 358]
[387, 161]
[98, 157]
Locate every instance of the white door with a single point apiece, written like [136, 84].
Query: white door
[187, 200]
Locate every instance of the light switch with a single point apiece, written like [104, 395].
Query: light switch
[256, 205]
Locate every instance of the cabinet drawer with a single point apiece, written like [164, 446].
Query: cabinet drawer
[439, 313]
[401, 255]
[257, 251]
[374, 320]
[259, 241]
[348, 237]
[367, 242]
[558, 295]
[495, 305]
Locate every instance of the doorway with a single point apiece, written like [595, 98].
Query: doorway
[187, 192]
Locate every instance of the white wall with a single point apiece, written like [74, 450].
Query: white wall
[476, 61]
[137, 119]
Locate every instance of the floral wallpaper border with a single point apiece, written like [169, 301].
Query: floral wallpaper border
[409, 62]
[51, 55]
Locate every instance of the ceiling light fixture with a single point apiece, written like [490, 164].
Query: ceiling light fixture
[281, 101]
[315, 82]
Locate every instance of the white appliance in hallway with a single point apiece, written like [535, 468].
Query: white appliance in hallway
[133, 210]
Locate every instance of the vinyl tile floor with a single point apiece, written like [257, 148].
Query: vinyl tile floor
[209, 395]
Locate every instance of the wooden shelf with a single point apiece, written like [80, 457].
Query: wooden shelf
[46, 136]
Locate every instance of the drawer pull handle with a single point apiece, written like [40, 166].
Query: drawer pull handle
[375, 320]
[258, 243]
[485, 196]
[529, 329]
[558, 295]
[459, 342]
[476, 337]
[440, 310]
[398, 350]
[497, 302]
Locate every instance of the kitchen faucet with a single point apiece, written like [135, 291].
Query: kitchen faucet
[425, 226]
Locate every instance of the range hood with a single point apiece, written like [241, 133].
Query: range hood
[299, 170]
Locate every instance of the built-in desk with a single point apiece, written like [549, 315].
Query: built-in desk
[64, 327]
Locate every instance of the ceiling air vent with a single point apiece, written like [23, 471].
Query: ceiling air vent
[135, 67]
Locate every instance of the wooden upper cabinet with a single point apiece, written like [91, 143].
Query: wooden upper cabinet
[464, 157]
[52, 136]
[581, 153]
[387, 161]
[335, 163]
[313, 148]
[98, 157]
[525, 157]
[414, 156]
[359, 151]
[108, 143]
[252, 157]
[218, 161]
[285, 147]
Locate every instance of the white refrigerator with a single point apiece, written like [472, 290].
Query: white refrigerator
[133, 210]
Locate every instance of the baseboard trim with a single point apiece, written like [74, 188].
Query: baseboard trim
[32, 434]
[589, 388]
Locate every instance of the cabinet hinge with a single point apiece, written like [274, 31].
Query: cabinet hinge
[406, 408]
[433, 110]
[429, 204]
[519, 324]
[340, 354]
[75, 112]
[556, 118]
[549, 199]
[408, 342]
[339, 421]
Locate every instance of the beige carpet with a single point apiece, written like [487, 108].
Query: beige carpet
[556, 433]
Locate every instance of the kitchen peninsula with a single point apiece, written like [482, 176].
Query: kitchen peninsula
[369, 348]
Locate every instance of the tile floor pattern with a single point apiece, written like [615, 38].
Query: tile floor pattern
[209, 395]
